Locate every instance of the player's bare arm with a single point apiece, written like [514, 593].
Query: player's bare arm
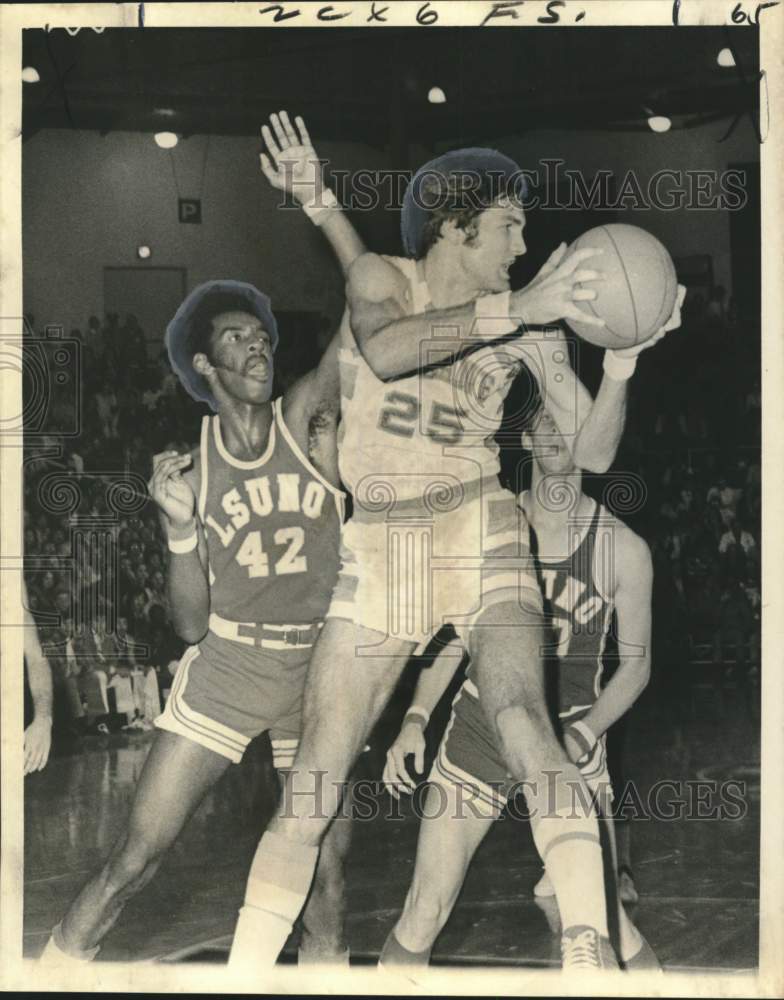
[311, 408]
[601, 430]
[391, 340]
[633, 584]
[38, 735]
[292, 165]
[592, 428]
[174, 486]
[410, 741]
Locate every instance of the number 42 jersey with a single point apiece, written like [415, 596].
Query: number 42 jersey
[272, 527]
[433, 426]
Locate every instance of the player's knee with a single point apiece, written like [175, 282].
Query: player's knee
[133, 865]
[522, 727]
[429, 908]
[506, 616]
[301, 828]
[328, 886]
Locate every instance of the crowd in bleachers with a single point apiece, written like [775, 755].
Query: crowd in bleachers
[694, 437]
[113, 649]
[109, 637]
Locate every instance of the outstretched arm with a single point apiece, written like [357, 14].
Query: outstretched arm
[291, 165]
[601, 430]
[394, 342]
[592, 428]
[634, 576]
[431, 684]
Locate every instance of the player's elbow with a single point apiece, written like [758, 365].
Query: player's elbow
[593, 460]
[377, 358]
[641, 671]
[192, 636]
[191, 630]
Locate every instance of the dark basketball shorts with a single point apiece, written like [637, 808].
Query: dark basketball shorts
[469, 757]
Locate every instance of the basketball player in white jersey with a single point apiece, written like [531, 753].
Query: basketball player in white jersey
[252, 519]
[426, 360]
[591, 567]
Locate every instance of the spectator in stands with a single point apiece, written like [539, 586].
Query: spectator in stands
[738, 535]
[738, 551]
[736, 621]
[107, 408]
[133, 345]
[138, 619]
[716, 309]
[729, 497]
[46, 590]
[157, 591]
[123, 644]
[122, 686]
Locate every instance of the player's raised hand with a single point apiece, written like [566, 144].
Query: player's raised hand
[410, 740]
[672, 324]
[554, 292]
[290, 163]
[170, 490]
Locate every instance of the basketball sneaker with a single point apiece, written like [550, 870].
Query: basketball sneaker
[582, 947]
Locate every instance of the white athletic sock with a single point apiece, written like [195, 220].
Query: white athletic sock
[566, 835]
[55, 954]
[277, 888]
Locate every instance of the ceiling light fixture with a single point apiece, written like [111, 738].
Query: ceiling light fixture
[166, 140]
[30, 75]
[659, 123]
[436, 96]
[725, 58]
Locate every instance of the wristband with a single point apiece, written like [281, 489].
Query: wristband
[419, 713]
[320, 206]
[179, 546]
[177, 532]
[618, 368]
[581, 734]
[492, 311]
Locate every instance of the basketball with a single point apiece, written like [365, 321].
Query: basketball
[638, 292]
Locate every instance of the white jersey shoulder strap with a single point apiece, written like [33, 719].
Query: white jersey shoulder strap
[420, 293]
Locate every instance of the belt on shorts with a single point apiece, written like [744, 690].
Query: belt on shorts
[266, 636]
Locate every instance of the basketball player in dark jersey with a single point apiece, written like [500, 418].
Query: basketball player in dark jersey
[252, 520]
[591, 566]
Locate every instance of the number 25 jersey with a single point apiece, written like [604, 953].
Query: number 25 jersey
[272, 526]
[435, 425]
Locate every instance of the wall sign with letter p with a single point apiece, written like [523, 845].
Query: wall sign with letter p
[190, 210]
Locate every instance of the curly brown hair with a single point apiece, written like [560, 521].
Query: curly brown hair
[460, 197]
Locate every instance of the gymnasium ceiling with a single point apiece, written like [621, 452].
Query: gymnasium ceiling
[372, 84]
